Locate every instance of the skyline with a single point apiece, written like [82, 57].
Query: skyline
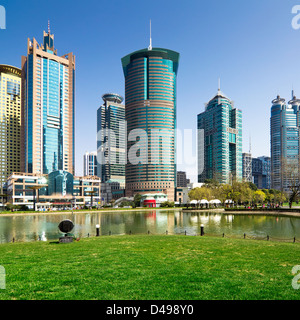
[252, 71]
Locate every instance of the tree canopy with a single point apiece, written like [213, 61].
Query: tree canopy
[243, 193]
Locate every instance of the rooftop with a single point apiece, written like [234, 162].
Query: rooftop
[10, 70]
[113, 97]
[154, 52]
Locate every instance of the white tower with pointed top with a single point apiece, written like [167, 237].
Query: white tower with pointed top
[150, 46]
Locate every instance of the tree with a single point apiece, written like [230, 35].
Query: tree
[291, 179]
[167, 204]
[252, 186]
[196, 194]
[279, 197]
[137, 200]
[202, 193]
[224, 193]
[247, 193]
[259, 196]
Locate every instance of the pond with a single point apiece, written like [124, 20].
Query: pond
[45, 227]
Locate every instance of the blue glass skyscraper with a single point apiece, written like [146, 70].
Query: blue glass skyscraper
[285, 125]
[48, 108]
[111, 146]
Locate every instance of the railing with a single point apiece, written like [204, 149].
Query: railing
[223, 235]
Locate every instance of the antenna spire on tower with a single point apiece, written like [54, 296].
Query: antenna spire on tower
[49, 26]
[219, 84]
[250, 144]
[150, 46]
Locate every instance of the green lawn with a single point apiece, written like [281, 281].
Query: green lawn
[150, 267]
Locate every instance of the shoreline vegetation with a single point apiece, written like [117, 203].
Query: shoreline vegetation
[105, 210]
[283, 212]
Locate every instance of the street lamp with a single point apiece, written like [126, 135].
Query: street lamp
[34, 190]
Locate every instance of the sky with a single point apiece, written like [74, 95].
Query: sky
[250, 45]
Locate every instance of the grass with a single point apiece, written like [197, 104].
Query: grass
[150, 268]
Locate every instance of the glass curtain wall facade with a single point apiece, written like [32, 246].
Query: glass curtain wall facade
[261, 171]
[10, 122]
[48, 108]
[150, 99]
[111, 145]
[90, 164]
[284, 142]
[221, 125]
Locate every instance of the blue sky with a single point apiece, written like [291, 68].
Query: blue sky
[250, 45]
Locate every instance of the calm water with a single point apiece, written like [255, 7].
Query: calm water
[45, 227]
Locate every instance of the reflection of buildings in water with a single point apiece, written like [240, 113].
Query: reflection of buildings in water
[229, 218]
[211, 219]
[205, 218]
[171, 221]
[87, 219]
[151, 215]
[26, 228]
[216, 218]
[178, 220]
[151, 218]
[30, 228]
[43, 237]
[186, 219]
[135, 223]
[162, 220]
[194, 219]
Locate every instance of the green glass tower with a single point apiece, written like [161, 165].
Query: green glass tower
[220, 126]
[150, 108]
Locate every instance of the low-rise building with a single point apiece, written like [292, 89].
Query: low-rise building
[182, 195]
[153, 200]
[59, 188]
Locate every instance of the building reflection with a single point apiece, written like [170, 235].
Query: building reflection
[45, 227]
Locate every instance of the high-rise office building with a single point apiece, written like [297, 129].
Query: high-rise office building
[10, 124]
[247, 167]
[111, 144]
[90, 164]
[261, 172]
[221, 128]
[182, 180]
[150, 99]
[266, 171]
[48, 108]
[285, 126]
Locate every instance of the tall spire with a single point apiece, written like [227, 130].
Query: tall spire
[49, 40]
[219, 84]
[150, 46]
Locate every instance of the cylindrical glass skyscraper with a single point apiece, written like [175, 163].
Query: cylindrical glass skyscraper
[285, 126]
[150, 112]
